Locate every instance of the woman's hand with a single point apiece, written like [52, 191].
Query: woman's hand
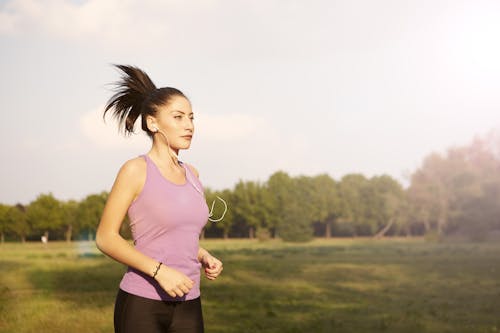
[173, 282]
[213, 266]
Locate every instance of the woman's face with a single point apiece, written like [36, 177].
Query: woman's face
[175, 120]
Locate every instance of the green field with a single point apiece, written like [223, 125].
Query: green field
[338, 285]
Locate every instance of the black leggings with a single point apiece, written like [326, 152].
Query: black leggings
[135, 314]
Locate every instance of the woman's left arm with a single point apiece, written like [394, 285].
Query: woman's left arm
[212, 265]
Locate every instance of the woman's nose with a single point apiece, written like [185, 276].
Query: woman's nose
[189, 124]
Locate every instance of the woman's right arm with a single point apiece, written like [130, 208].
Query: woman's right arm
[127, 186]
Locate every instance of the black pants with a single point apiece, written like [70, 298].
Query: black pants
[135, 314]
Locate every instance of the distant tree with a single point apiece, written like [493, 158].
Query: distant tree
[249, 205]
[278, 185]
[421, 200]
[45, 214]
[388, 205]
[267, 223]
[431, 189]
[477, 191]
[326, 201]
[89, 213]
[298, 211]
[18, 221]
[70, 218]
[459, 191]
[4, 222]
[480, 212]
[352, 205]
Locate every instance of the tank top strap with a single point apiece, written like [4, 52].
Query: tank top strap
[149, 165]
[187, 168]
[193, 179]
[146, 158]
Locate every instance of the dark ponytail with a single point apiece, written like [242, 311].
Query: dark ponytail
[136, 95]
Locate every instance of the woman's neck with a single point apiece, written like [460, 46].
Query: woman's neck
[165, 154]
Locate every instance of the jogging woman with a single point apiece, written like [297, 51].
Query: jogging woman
[160, 292]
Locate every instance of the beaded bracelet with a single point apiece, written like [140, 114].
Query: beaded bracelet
[157, 269]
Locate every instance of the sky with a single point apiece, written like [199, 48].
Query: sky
[306, 87]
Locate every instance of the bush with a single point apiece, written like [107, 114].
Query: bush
[296, 231]
[263, 234]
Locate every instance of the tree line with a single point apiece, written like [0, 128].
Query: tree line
[452, 194]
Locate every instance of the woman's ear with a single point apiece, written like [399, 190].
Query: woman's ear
[151, 123]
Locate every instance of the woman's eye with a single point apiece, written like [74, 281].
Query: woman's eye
[177, 117]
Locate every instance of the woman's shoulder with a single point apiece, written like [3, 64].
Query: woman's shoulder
[134, 167]
[131, 177]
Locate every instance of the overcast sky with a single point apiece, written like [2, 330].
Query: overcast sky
[306, 87]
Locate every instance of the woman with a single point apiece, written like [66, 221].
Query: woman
[164, 200]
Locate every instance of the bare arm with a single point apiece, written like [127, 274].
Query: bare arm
[127, 186]
[108, 239]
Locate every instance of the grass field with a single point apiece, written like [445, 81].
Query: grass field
[338, 285]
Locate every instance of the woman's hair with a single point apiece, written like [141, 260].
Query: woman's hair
[136, 95]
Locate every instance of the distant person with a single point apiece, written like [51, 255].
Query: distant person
[166, 206]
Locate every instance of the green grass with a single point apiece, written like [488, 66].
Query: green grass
[339, 285]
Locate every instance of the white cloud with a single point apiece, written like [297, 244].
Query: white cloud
[176, 26]
[122, 22]
[105, 134]
[230, 127]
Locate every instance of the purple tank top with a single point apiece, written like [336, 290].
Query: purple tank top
[166, 221]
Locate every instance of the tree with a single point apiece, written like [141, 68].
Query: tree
[4, 222]
[458, 192]
[431, 190]
[44, 214]
[352, 205]
[298, 211]
[278, 186]
[389, 205]
[69, 218]
[89, 213]
[18, 221]
[250, 205]
[325, 198]
[477, 190]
